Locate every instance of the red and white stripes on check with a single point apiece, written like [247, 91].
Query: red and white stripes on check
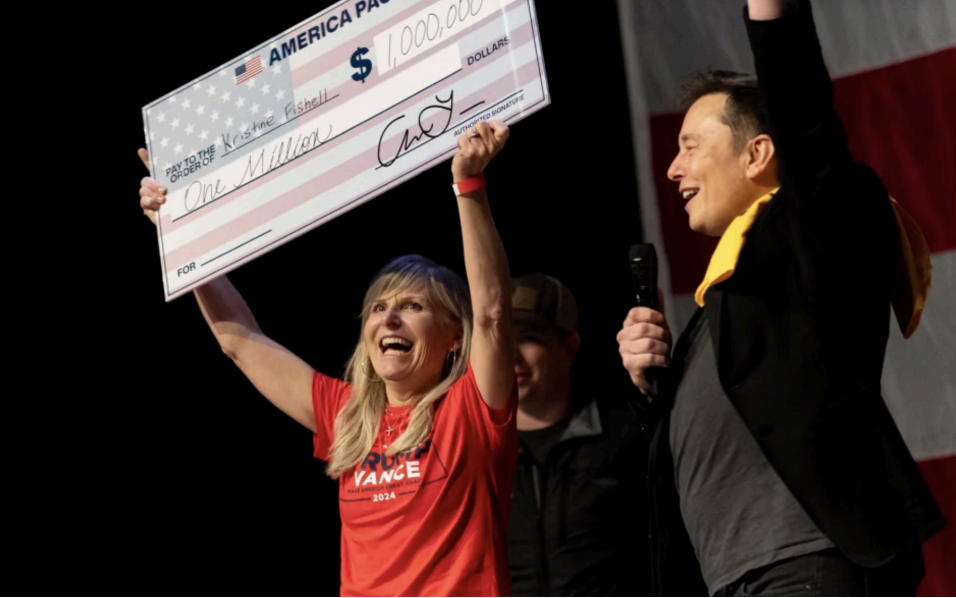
[313, 185]
[251, 68]
[894, 71]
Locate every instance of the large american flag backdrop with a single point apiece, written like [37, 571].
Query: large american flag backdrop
[893, 66]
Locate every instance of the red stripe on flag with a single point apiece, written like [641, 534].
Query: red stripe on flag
[897, 122]
[900, 121]
[939, 551]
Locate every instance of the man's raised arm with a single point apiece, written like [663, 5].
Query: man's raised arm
[795, 84]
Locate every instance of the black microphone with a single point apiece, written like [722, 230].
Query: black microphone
[643, 258]
[644, 272]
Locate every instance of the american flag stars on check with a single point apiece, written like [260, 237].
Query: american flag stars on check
[207, 111]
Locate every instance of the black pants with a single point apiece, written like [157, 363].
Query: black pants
[829, 573]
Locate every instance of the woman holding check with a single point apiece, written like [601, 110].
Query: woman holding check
[421, 433]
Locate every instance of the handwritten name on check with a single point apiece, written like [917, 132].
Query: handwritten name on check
[326, 116]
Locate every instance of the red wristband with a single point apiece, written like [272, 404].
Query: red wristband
[470, 184]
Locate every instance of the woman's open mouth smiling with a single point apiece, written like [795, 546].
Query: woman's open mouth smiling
[395, 345]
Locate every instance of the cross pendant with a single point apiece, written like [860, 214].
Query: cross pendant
[388, 432]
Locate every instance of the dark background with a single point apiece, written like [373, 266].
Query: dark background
[164, 465]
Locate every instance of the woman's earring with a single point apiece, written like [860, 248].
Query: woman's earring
[451, 366]
[364, 373]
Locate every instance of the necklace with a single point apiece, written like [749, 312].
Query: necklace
[390, 429]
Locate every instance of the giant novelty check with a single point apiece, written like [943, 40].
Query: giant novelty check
[326, 116]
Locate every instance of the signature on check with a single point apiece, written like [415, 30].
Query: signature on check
[433, 120]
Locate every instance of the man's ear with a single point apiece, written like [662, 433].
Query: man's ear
[571, 346]
[761, 157]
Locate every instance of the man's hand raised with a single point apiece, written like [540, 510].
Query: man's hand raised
[768, 10]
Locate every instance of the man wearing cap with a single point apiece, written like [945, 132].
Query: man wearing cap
[579, 513]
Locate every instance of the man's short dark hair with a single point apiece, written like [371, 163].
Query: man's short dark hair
[744, 112]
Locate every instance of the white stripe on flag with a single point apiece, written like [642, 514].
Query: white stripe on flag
[676, 37]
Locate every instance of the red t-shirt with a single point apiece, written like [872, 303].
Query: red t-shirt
[432, 521]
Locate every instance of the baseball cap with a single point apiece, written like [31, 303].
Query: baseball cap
[541, 300]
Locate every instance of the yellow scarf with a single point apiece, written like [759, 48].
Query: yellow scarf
[911, 280]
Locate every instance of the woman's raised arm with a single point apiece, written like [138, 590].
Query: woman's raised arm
[493, 340]
[277, 373]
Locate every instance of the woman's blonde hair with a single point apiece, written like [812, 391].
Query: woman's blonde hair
[357, 424]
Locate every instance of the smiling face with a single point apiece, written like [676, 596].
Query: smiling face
[716, 178]
[408, 338]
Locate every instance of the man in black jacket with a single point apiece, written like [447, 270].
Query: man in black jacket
[775, 463]
[579, 509]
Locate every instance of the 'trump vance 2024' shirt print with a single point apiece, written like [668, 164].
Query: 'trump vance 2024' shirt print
[433, 520]
[381, 477]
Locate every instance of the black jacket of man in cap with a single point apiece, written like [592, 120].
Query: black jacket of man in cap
[579, 507]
